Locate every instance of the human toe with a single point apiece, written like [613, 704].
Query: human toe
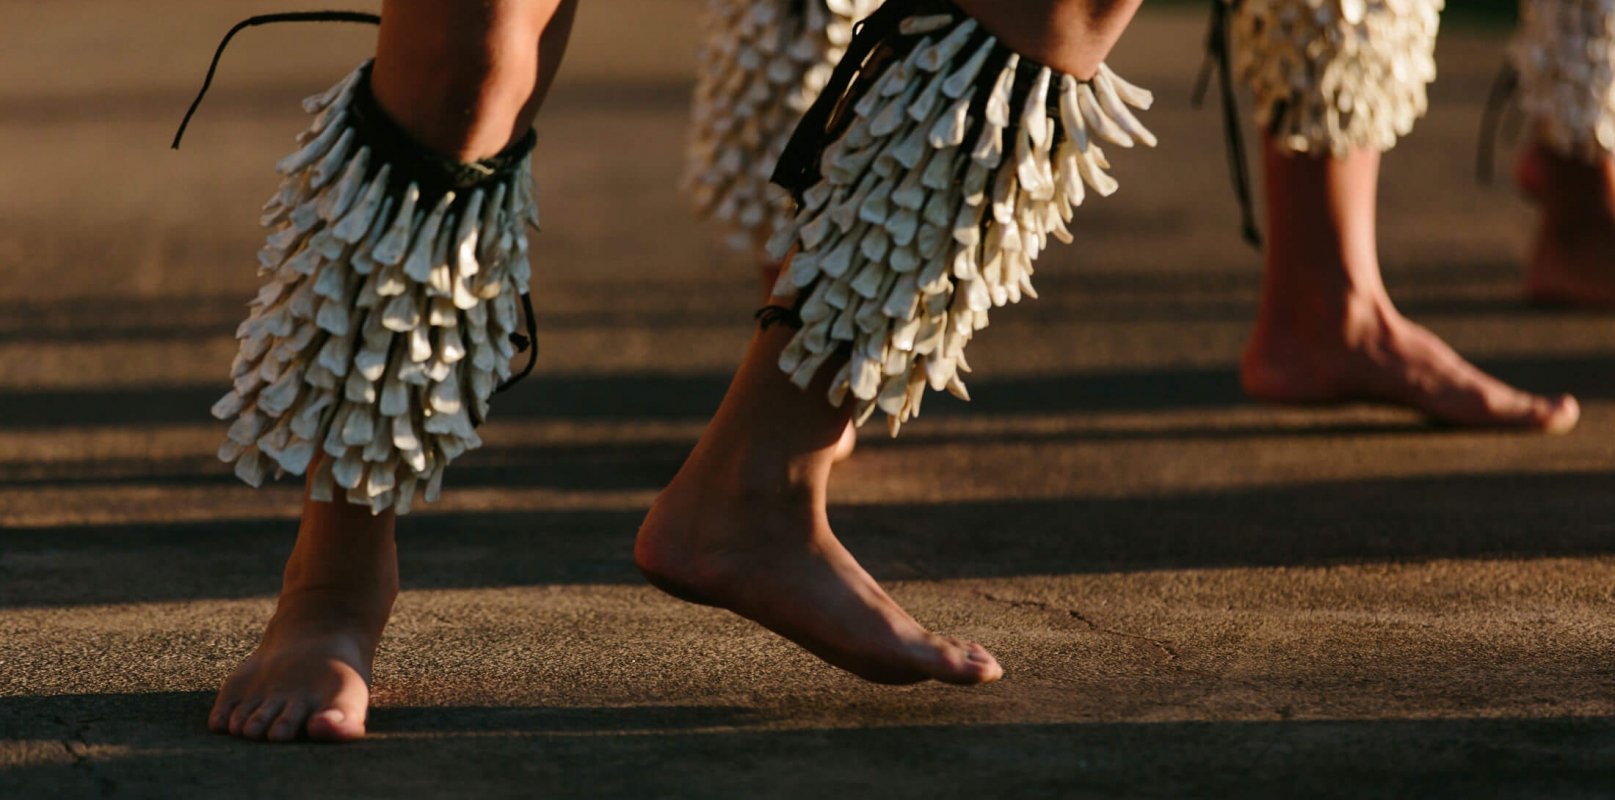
[259, 721]
[1558, 415]
[336, 725]
[289, 723]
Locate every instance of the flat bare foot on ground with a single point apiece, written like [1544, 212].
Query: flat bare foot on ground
[309, 676]
[1572, 257]
[774, 560]
[1370, 352]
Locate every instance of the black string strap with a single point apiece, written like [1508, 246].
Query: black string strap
[251, 22]
[1218, 58]
[798, 166]
[394, 145]
[527, 344]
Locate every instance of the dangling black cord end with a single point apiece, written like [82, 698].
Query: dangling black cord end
[1503, 92]
[1197, 96]
[527, 344]
[1218, 47]
[263, 19]
[1202, 82]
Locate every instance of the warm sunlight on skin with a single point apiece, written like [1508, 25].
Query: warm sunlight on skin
[1072, 36]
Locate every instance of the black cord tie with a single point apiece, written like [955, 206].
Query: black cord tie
[263, 19]
[524, 344]
[1505, 89]
[798, 167]
[1218, 48]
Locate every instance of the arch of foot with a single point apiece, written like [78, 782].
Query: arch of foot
[762, 64]
[949, 174]
[1332, 76]
[1564, 53]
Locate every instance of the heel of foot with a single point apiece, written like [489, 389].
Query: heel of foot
[675, 588]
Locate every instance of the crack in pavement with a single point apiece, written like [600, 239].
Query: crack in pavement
[78, 749]
[1167, 651]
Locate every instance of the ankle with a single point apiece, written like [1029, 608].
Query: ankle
[1332, 311]
[1572, 191]
[759, 475]
[344, 599]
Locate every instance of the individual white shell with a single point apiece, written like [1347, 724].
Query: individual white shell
[1564, 51]
[913, 234]
[761, 66]
[1332, 76]
[345, 348]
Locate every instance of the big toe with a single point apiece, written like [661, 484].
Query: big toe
[1558, 415]
[334, 724]
[965, 664]
[218, 720]
[1517, 409]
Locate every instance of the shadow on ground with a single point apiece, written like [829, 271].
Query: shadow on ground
[1439, 517]
[664, 397]
[704, 751]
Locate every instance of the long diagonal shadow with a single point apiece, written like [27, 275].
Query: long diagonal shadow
[662, 397]
[138, 744]
[1507, 515]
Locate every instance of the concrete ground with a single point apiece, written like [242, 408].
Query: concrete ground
[1194, 596]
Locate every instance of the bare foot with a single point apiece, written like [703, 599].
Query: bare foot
[775, 561]
[309, 676]
[1375, 354]
[1572, 259]
[743, 526]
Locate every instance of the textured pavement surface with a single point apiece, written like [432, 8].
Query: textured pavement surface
[1194, 596]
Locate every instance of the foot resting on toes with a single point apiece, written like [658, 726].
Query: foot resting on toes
[743, 526]
[774, 560]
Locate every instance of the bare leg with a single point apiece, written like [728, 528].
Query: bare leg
[1327, 330]
[465, 80]
[1072, 36]
[1572, 258]
[743, 526]
[768, 271]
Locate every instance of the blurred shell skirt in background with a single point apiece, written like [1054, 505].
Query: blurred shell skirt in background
[1564, 53]
[1332, 76]
[761, 66]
